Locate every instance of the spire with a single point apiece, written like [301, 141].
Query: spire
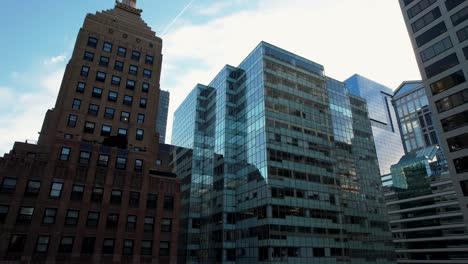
[130, 3]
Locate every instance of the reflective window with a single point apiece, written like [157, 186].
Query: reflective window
[447, 82]
[458, 142]
[33, 188]
[93, 109]
[419, 7]
[451, 4]
[25, 215]
[426, 19]
[84, 71]
[89, 56]
[109, 113]
[97, 193]
[71, 122]
[49, 216]
[104, 61]
[135, 55]
[120, 162]
[42, 244]
[452, 101]
[145, 87]
[112, 96]
[128, 247]
[130, 84]
[92, 219]
[139, 134]
[77, 192]
[462, 34]
[146, 248]
[55, 190]
[148, 225]
[101, 76]
[115, 80]
[149, 59]
[65, 153]
[84, 157]
[164, 248]
[103, 160]
[118, 66]
[461, 164]
[140, 118]
[92, 42]
[89, 127]
[108, 246]
[460, 16]
[455, 121]
[128, 100]
[122, 51]
[131, 223]
[116, 197]
[107, 47]
[106, 130]
[147, 73]
[9, 185]
[431, 34]
[3, 212]
[133, 69]
[76, 104]
[441, 65]
[80, 87]
[97, 92]
[436, 49]
[124, 117]
[66, 244]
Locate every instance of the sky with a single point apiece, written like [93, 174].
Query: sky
[367, 37]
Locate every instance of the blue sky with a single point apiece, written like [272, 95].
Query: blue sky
[366, 37]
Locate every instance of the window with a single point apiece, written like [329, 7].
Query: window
[17, 243]
[135, 55]
[104, 61]
[419, 7]
[143, 102]
[166, 225]
[3, 213]
[168, 202]
[441, 65]
[149, 59]
[115, 80]
[55, 190]
[42, 244]
[145, 87]
[130, 84]
[140, 118]
[108, 246]
[118, 66]
[77, 192]
[131, 223]
[431, 34]
[164, 247]
[464, 187]
[89, 127]
[106, 130]
[93, 109]
[122, 51]
[84, 71]
[107, 47]
[465, 52]
[92, 42]
[458, 142]
[96, 195]
[93, 219]
[128, 100]
[139, 134]
[88, 56]
[146, 248]
[100, 76]
[152, 200]
[134, 199]
[87, 246]
[148, 224]
[49, 216]
[116, 197]
[133, 69]
[25, 215]
[76, 104]
[9, 185]
[138, 165]
[147, 73]
[71, 122]
[109, 113]
[84, 157]
[452, 101]
[80, 87]
[65, 153]
[97, 92]
[461, 164]
[451, 4]
[112, 220]
[124, 117]
[103, 160]
[462, 34]
[122, 132]
[455, 121]
[121, 163]
[33, 187]
[436, 49]
[460, 16]
[71, 219]
[66, 244]
[112, 96]
[447, 82]
[128, 247]
[426, 19]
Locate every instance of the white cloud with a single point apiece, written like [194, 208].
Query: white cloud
[366, 37]
[55, 59]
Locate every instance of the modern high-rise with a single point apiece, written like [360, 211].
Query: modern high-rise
[89, 190]
[161, 122]
[422, 205]
[382, 117]
[280, 167]
[438, 31]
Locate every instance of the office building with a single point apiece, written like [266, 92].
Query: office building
[282, 167]
[424, 212]
[382, 117]
[161, 123]
[90, 190]
[438, 31]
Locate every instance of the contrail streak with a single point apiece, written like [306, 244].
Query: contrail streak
[177, 17]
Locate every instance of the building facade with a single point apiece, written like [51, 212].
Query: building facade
[382, 117]
[161, 122]
[283, 167]
[425, 215]
[439, 31]
[90, 191]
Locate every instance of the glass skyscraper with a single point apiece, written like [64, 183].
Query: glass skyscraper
[161, 122]
[277, 164]
[382, 117]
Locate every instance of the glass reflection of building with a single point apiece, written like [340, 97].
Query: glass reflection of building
[278, 165]
[161, 122]
[382, 117]
[425, 215]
